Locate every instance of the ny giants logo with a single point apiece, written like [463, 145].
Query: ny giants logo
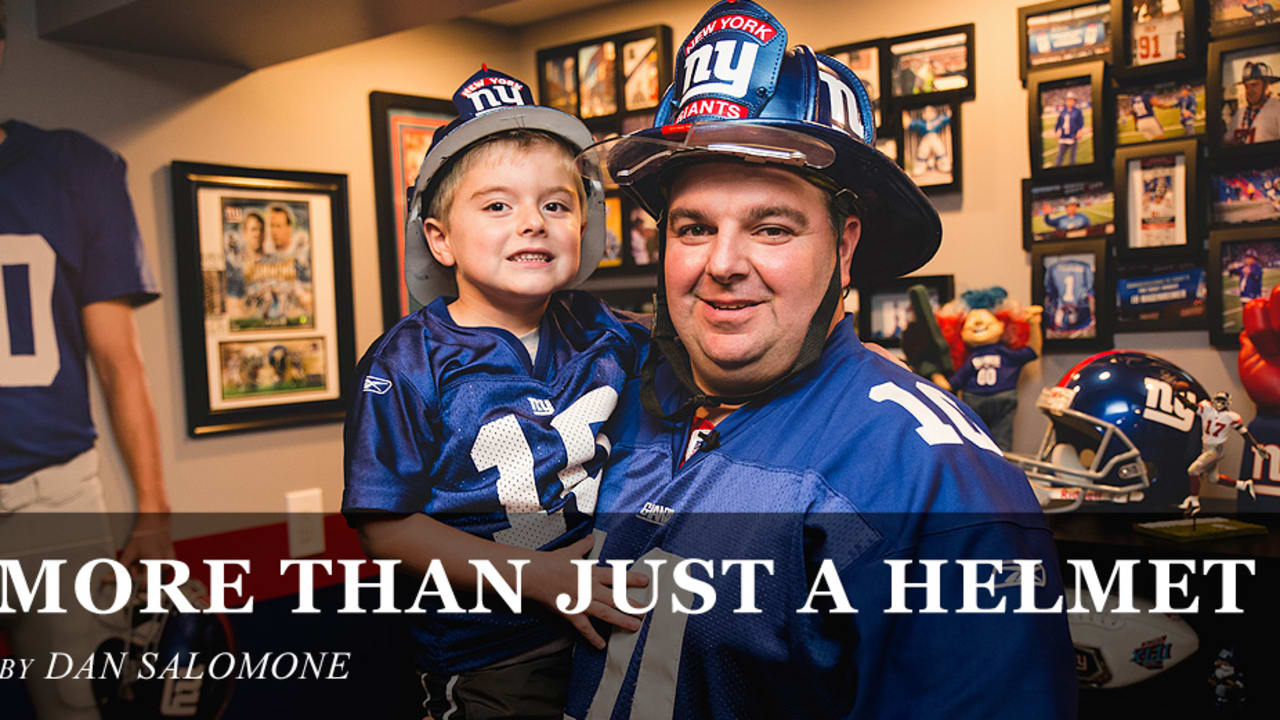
[1167, 407]
[491, 92]
[844, 103]
[710, 68]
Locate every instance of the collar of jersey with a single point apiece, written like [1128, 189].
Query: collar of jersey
[539, 368]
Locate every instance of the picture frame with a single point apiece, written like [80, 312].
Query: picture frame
[1243, 192]
[264, 286]
[1153, 39]
[885, 308]
[867, 60]
[1231, 283]
[1064, 32]
[401, 127]
[1230, 17]
[1157, 199]
[1092, 216]
[606, 77]
[1154, 110]
[930, 149]
[932, 67]
[1071, 281]
[1230, 133]
[1053, 98]
[1161, 296]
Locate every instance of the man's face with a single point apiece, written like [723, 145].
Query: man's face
[749, 254]
[1071, 102]
[1255, 90]
[281, 231]
[1072, 208]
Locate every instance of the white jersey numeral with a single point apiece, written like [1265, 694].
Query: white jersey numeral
[28, 264]
[501, 444]
[933, 429]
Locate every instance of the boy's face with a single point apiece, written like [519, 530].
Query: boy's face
[514, 230]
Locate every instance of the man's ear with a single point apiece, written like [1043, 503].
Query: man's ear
[844, 249]
[438, 241]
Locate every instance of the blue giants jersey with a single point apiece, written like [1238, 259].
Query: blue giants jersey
[1067, 222]
[68, 238]
[853, 461]
[1250, 280]
[991, 369]
[1068, 284]
[1143, 105]
[457, 423]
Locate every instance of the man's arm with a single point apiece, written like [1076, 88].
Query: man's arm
[111, 334]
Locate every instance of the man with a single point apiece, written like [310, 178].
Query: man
[1258, 118]
[1143, 109]
[1186, 104]
[1249, 271]
[1070, 123]
[1072, 220]
[73, 271]
[282, 238]
[770, 432]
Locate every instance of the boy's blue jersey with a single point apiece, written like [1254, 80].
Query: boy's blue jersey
[854, 460]
[68, 238]
[457, 423]
[1067, 222]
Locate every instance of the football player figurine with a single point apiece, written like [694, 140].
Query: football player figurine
[1228, 682]
[991, 338]
[1215, 418]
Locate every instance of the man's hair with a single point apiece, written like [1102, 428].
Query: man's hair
[288, 216]
[519, 140]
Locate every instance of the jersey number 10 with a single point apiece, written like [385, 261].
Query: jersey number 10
[29, 354]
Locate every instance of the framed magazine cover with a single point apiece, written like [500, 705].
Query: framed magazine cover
[1157, 203]
[402, 127]
[1069, 121]
[1243, 105]
[1244, 264]
[885, 309]
[1066, 211]
[935, 66]
[1156, 37]
[1064, 32]
[264, 283]
[1070, 280]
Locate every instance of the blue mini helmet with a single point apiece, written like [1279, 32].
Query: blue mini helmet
[490, 102]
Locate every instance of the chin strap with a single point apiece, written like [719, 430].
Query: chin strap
[663, 340]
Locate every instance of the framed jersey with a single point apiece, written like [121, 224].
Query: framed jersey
[264, 282]
[1156, 36]
[1071, 281]
[1244, 264]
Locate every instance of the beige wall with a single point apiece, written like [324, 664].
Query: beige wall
[312, 114]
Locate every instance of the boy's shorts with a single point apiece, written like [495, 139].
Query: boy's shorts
[534, 684]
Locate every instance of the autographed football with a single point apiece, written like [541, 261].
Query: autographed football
[1118, 649]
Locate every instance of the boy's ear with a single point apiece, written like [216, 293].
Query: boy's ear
[438, 241]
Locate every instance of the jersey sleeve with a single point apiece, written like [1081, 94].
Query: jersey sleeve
[115, 264]
[1024, 354]
[390, 446]
[962, 375]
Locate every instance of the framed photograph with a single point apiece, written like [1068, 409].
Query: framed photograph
[885, 309]
[865, 60]
[935, 66]
[1159, 111]
[1227, 17]
[1156, 36]
[1067, 278]
[1161, 296]
[930, 149]
[1243, 194]
[264, 283]
[608, 77]
[1156, 198]
[642, 237]
[1062, 32]
[1242, 88]
[612, 257]
[1244, 264]
[402, 128]
[1066, 121]
[1066, 211]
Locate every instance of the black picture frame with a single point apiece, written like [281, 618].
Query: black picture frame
[1034, 194]
[1099, 123]
[906, 143]
[897, 77]
[315, 304]
[1107, 50]
[1167, 115]
[1242, 24]
[882, 98]
[1128, 246]
[1191, 30]
[1061, 333]
[621, 107]
[944, 286]
[1214, 93]
[1224, 323]
[1238, 194]
[1161, 296]
[399, 126]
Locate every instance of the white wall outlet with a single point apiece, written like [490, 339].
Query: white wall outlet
[306, 521]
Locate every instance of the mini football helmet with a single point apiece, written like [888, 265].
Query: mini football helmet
[1122, 429]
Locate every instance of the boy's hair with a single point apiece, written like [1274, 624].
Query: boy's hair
[519, 139]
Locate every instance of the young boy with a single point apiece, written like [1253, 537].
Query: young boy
[475, 433]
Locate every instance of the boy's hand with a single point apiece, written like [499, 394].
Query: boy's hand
[551, 573]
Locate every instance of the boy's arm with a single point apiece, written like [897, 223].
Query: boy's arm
[416, 540]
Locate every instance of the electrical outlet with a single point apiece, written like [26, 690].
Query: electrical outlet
[306, 521]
